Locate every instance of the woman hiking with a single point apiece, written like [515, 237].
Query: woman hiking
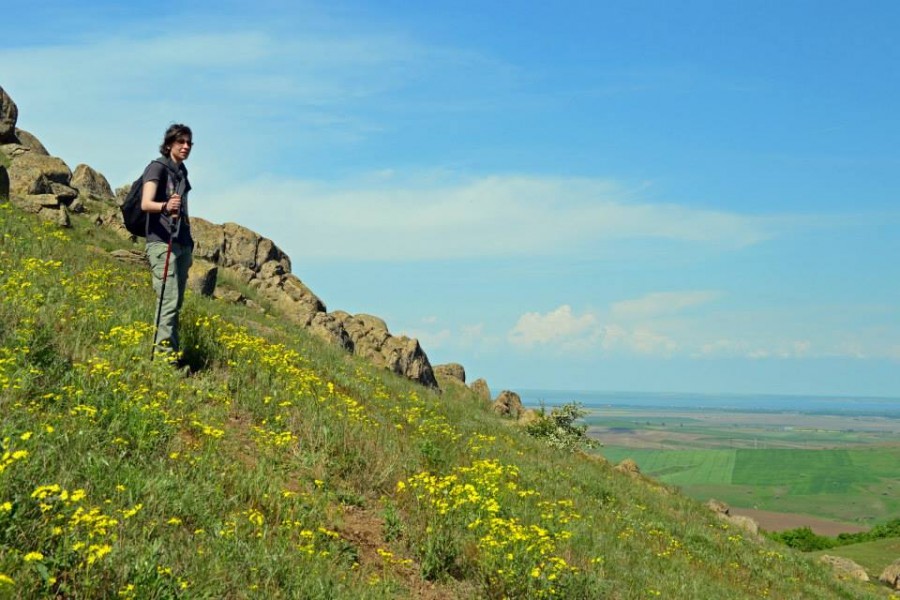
[169, 244]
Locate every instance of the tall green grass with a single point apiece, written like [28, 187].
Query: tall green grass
[284, 468]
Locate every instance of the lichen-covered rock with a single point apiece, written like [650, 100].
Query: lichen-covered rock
[29, 143]
[508, 404]
[454, 371]
[209, 239]
[327, 327]
[240, 247]
[844, 567]
[37, 174]
[91, 183]
[480, 388]
[891, 575]
[289, 295]
[202, 278]
[9, 114]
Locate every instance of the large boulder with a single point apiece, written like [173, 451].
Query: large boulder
[38, 174]
[23, 143]
[9, 114]
[399, 354]
[891, 575]
[451, 371]
[202, 277]
[508, 404]
[844, 567]
[91, 184]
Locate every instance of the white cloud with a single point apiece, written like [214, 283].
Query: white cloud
[558, 327]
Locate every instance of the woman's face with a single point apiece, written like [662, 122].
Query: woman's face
[181, 148]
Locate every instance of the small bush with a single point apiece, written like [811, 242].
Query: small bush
[558, 429]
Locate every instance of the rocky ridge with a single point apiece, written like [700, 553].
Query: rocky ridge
[38, 182]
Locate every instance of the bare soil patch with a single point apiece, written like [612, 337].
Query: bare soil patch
[776, 521]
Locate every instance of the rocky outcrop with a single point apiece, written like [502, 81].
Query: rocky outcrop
[508, 404]
[891, 575]
[844, 567]
[91, 184]
[451, 371]
[9, 114]
[370, 339]
[45, 185]
[480, 388]
[39, 174]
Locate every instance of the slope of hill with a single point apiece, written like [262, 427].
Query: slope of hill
[282, 467]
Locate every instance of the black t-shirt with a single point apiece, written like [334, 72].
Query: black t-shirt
[170, 179]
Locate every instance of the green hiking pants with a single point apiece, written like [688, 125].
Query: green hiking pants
[167, 311]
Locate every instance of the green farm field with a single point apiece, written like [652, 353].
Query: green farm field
[840, 469]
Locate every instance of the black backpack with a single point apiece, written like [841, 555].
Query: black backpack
[134, 218]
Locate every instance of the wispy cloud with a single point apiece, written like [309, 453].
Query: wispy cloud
[502, 215]
[661, 304]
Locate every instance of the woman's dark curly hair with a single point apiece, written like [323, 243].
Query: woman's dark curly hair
[175, 131]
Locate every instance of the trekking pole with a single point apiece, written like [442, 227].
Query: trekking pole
[162, 290]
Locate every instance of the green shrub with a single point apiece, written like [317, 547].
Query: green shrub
[559, 429]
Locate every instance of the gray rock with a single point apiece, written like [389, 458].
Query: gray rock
[844, 567]
[30, 143]
[891, 575]
[508, 404]
[202, 277]
[91, 183]
[240, 247]
[329, 328]
[209, 239]
[454, 371]
[9, 114]
[36, 174]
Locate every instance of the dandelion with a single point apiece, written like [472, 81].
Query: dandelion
[33, 556]
[6, 579]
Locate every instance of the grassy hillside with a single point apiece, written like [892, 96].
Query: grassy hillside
[283, 468]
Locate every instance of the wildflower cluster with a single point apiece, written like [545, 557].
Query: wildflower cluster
[515, 558]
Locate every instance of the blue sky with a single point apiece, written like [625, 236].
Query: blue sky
[645, 196]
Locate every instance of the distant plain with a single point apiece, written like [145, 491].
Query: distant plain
[832, 472]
